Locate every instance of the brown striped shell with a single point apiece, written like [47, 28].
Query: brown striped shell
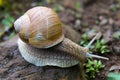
[39, 27]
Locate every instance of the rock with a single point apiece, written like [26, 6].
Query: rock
[103, 22]
[71, 33]
[66, 18]
[77, 24]
[116, 35]
[114, 67]
[107, 36]
[116, 47]
[110, 21]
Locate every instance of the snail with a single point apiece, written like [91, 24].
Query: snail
[42, 42]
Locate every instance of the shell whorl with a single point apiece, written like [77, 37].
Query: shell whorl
[40, 27]
[22, 25]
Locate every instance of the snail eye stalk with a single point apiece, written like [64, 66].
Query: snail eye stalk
[89, 54]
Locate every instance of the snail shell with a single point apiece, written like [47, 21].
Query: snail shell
[39, 27]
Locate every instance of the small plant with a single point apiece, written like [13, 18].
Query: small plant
[101, 47]
[77, 5]
[114, 7]
[98, 47]
[6, 26]
[7, 21]
[92, 67]
[58, 8]
[84, 42]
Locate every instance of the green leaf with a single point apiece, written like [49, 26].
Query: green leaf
[102, 41]
[103, 47]
[99, 63]
[77, 6]
[91, 69]
[113, 76]
[57, 8]
[84, 36]
[97, 44]
[102, 52]
[6, 22]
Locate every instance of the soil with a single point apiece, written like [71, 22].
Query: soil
[100, 15]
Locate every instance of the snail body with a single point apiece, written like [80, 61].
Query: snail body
[49, 57]
[41, 41]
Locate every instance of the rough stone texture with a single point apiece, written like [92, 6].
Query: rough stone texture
[14, 67]
[71, 33]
